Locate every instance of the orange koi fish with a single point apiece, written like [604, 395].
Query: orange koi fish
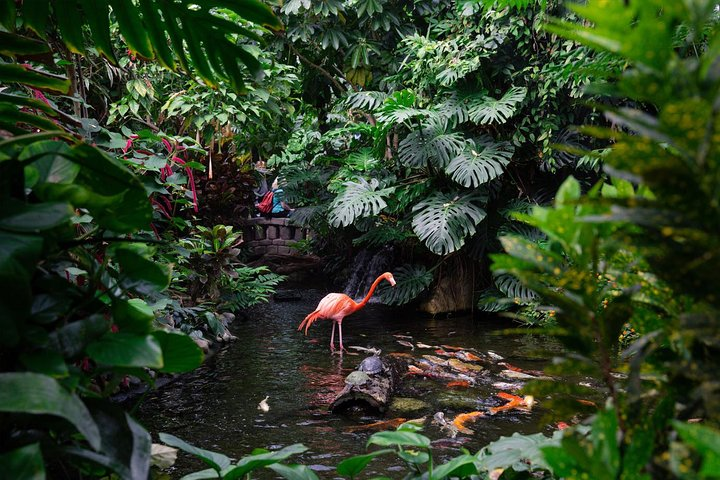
[514, 402]
[382, 425]
[468, 357]
[459, 383]
[460, 420]
[450, 347]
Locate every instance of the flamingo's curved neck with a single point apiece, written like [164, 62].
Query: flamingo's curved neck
[370, 293]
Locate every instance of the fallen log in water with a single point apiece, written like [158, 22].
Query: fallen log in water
[370, 391]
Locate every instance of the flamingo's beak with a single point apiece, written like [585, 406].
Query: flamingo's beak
[392, 281]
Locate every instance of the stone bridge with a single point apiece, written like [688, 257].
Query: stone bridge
[272, 235]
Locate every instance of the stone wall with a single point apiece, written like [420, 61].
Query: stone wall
[272, 236]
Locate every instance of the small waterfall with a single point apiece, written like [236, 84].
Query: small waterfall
[367, 266]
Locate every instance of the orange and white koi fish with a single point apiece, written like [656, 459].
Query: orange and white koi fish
[460, 420]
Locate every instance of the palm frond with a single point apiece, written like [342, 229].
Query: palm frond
[197, 39]
[411, 280]
[360, 199]
[488, 110]
[443, 221]
[479, 162]
[365, 100]
[433, 143]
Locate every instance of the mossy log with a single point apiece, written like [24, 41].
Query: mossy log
[375, 394]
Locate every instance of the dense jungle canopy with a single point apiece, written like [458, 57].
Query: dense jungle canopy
[556, 163]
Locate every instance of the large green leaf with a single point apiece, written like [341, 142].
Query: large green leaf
[41, 395]
[399, 108]
[98, 20]
[478, 163]
[365, 100]
[70, 24]
[125, 447]
[180, 353]
[48, 158]
[14, 73]
[24, 463]
[399, 438]
[489, 110]
[103, 174]
[359, 199]
[133, 315]
[253, 462]
[411, 280]
[443, 221]
[217, 461]
[11, 116]
[12, 44]
[432, 144]
[34, 218]
[514, 288]
[463, 466]
[137, 270]
[351, 467]
[18, 257]
[35, 16]
[293, 472]
[519, 452]
[706, 441]
[70, 340]
[126, 350]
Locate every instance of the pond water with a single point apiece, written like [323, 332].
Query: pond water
[216, 406]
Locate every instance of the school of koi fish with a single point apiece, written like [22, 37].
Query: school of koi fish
[462, 368]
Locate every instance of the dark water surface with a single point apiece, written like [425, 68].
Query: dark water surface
[216, 406]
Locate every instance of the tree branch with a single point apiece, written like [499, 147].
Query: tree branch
[325, 73]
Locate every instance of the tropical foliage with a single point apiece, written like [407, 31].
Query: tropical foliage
[642, 256]
[82, 284]
[430, 120]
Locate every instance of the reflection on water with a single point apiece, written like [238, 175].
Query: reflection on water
[215, 407]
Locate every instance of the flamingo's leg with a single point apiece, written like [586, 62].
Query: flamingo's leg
[332, 337]
[340, 330]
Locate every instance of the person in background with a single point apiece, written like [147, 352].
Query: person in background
[280, 208]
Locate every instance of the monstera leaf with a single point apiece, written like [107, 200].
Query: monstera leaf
[360, 199]
[514, 288]
[400, 107]
[443, 221]
[365, 100]
[480, 162]
[411, 280]
[488, 110]
[433, 143]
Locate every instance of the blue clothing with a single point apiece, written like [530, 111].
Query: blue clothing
[278, 199]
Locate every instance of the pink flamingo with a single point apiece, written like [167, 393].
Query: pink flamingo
[336, 306]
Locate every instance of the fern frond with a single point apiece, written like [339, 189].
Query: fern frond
[364, 100]
[360, 199]
[411, 280]
[431, 144]
[443, 222]
[480, 162]
[488, 110]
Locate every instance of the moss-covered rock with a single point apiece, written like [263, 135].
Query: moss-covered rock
[406, 407]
